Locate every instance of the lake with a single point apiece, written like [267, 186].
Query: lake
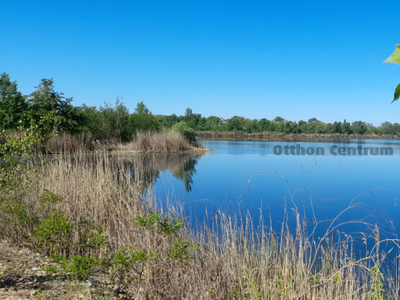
[263, 179]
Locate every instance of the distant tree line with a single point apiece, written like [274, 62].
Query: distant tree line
[278, 125]
[115, 120]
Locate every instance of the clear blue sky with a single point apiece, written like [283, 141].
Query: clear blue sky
[295, 59]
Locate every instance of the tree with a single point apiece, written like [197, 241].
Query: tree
[142, 109]
[346, 127]
[234, 124]
[387, 128]
[359, 127]
[143, 120]
[213, 122]
[188, 112]
[313, 120]
[279, 119]
[185, 130]
[264, 125]
[395, 58]
[12, 103]
[46, 100]
[337, 127]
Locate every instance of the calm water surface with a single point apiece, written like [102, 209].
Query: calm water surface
[249, 177]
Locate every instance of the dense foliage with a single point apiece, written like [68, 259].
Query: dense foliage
[115, 120]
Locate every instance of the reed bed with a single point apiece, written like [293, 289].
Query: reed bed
[166, 141]
[235, 260]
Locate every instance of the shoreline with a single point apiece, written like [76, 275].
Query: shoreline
[288, 136]
[201, 150]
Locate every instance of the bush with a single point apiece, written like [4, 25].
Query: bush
[185, 130]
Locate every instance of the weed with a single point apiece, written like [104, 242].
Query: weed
[181, 250]
[129, 265]
[376, 283]
[163, 225]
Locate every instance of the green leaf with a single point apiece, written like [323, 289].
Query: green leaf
[395, 57]
[396, 93]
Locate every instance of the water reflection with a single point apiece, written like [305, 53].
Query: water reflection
[147, 168]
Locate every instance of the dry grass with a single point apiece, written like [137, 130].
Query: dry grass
[166, 141]
[236, 260]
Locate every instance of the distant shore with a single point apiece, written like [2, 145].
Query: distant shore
[230, 135]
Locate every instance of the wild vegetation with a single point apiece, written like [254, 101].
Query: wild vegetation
[115, 122]
[94, 220]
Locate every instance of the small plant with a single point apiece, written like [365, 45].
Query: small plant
[76, 267]
[337, 278]
[93, 236]
[163, 225]
[129, 265]
[376, 292]
[54, 232]
[149, 221]
[49, 197]
[211, 292]
[181, 250]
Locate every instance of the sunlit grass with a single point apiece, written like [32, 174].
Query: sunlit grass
[236, 260]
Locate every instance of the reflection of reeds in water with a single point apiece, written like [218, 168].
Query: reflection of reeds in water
[236, 260]
[147, 167]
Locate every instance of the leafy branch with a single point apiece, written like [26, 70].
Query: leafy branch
[395, 58]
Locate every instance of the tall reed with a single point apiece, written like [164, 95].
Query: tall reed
[166, 141]
[236, 260]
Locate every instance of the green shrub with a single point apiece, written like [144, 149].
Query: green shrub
[54, 232]
[129, 265]
[163, 225]
[184, 129]
[75, 267]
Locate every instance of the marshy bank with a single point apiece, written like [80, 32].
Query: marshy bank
[164, 141]
[102, 224]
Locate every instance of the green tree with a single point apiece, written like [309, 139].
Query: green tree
[142, 109]
[188, 112]
[337, 127]
[387, 128]
[264, 125]
[12, 103]
[346, 128]
[45, 100]
[234, 124]
[168, 121]
[115, 122]
[303, 127]
[359, 127]
[183, 128]
[313, 120]
[290, 127]
[395, 58]
[213, 122]
[143, 120]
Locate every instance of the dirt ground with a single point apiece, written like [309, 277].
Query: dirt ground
[21, 278]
